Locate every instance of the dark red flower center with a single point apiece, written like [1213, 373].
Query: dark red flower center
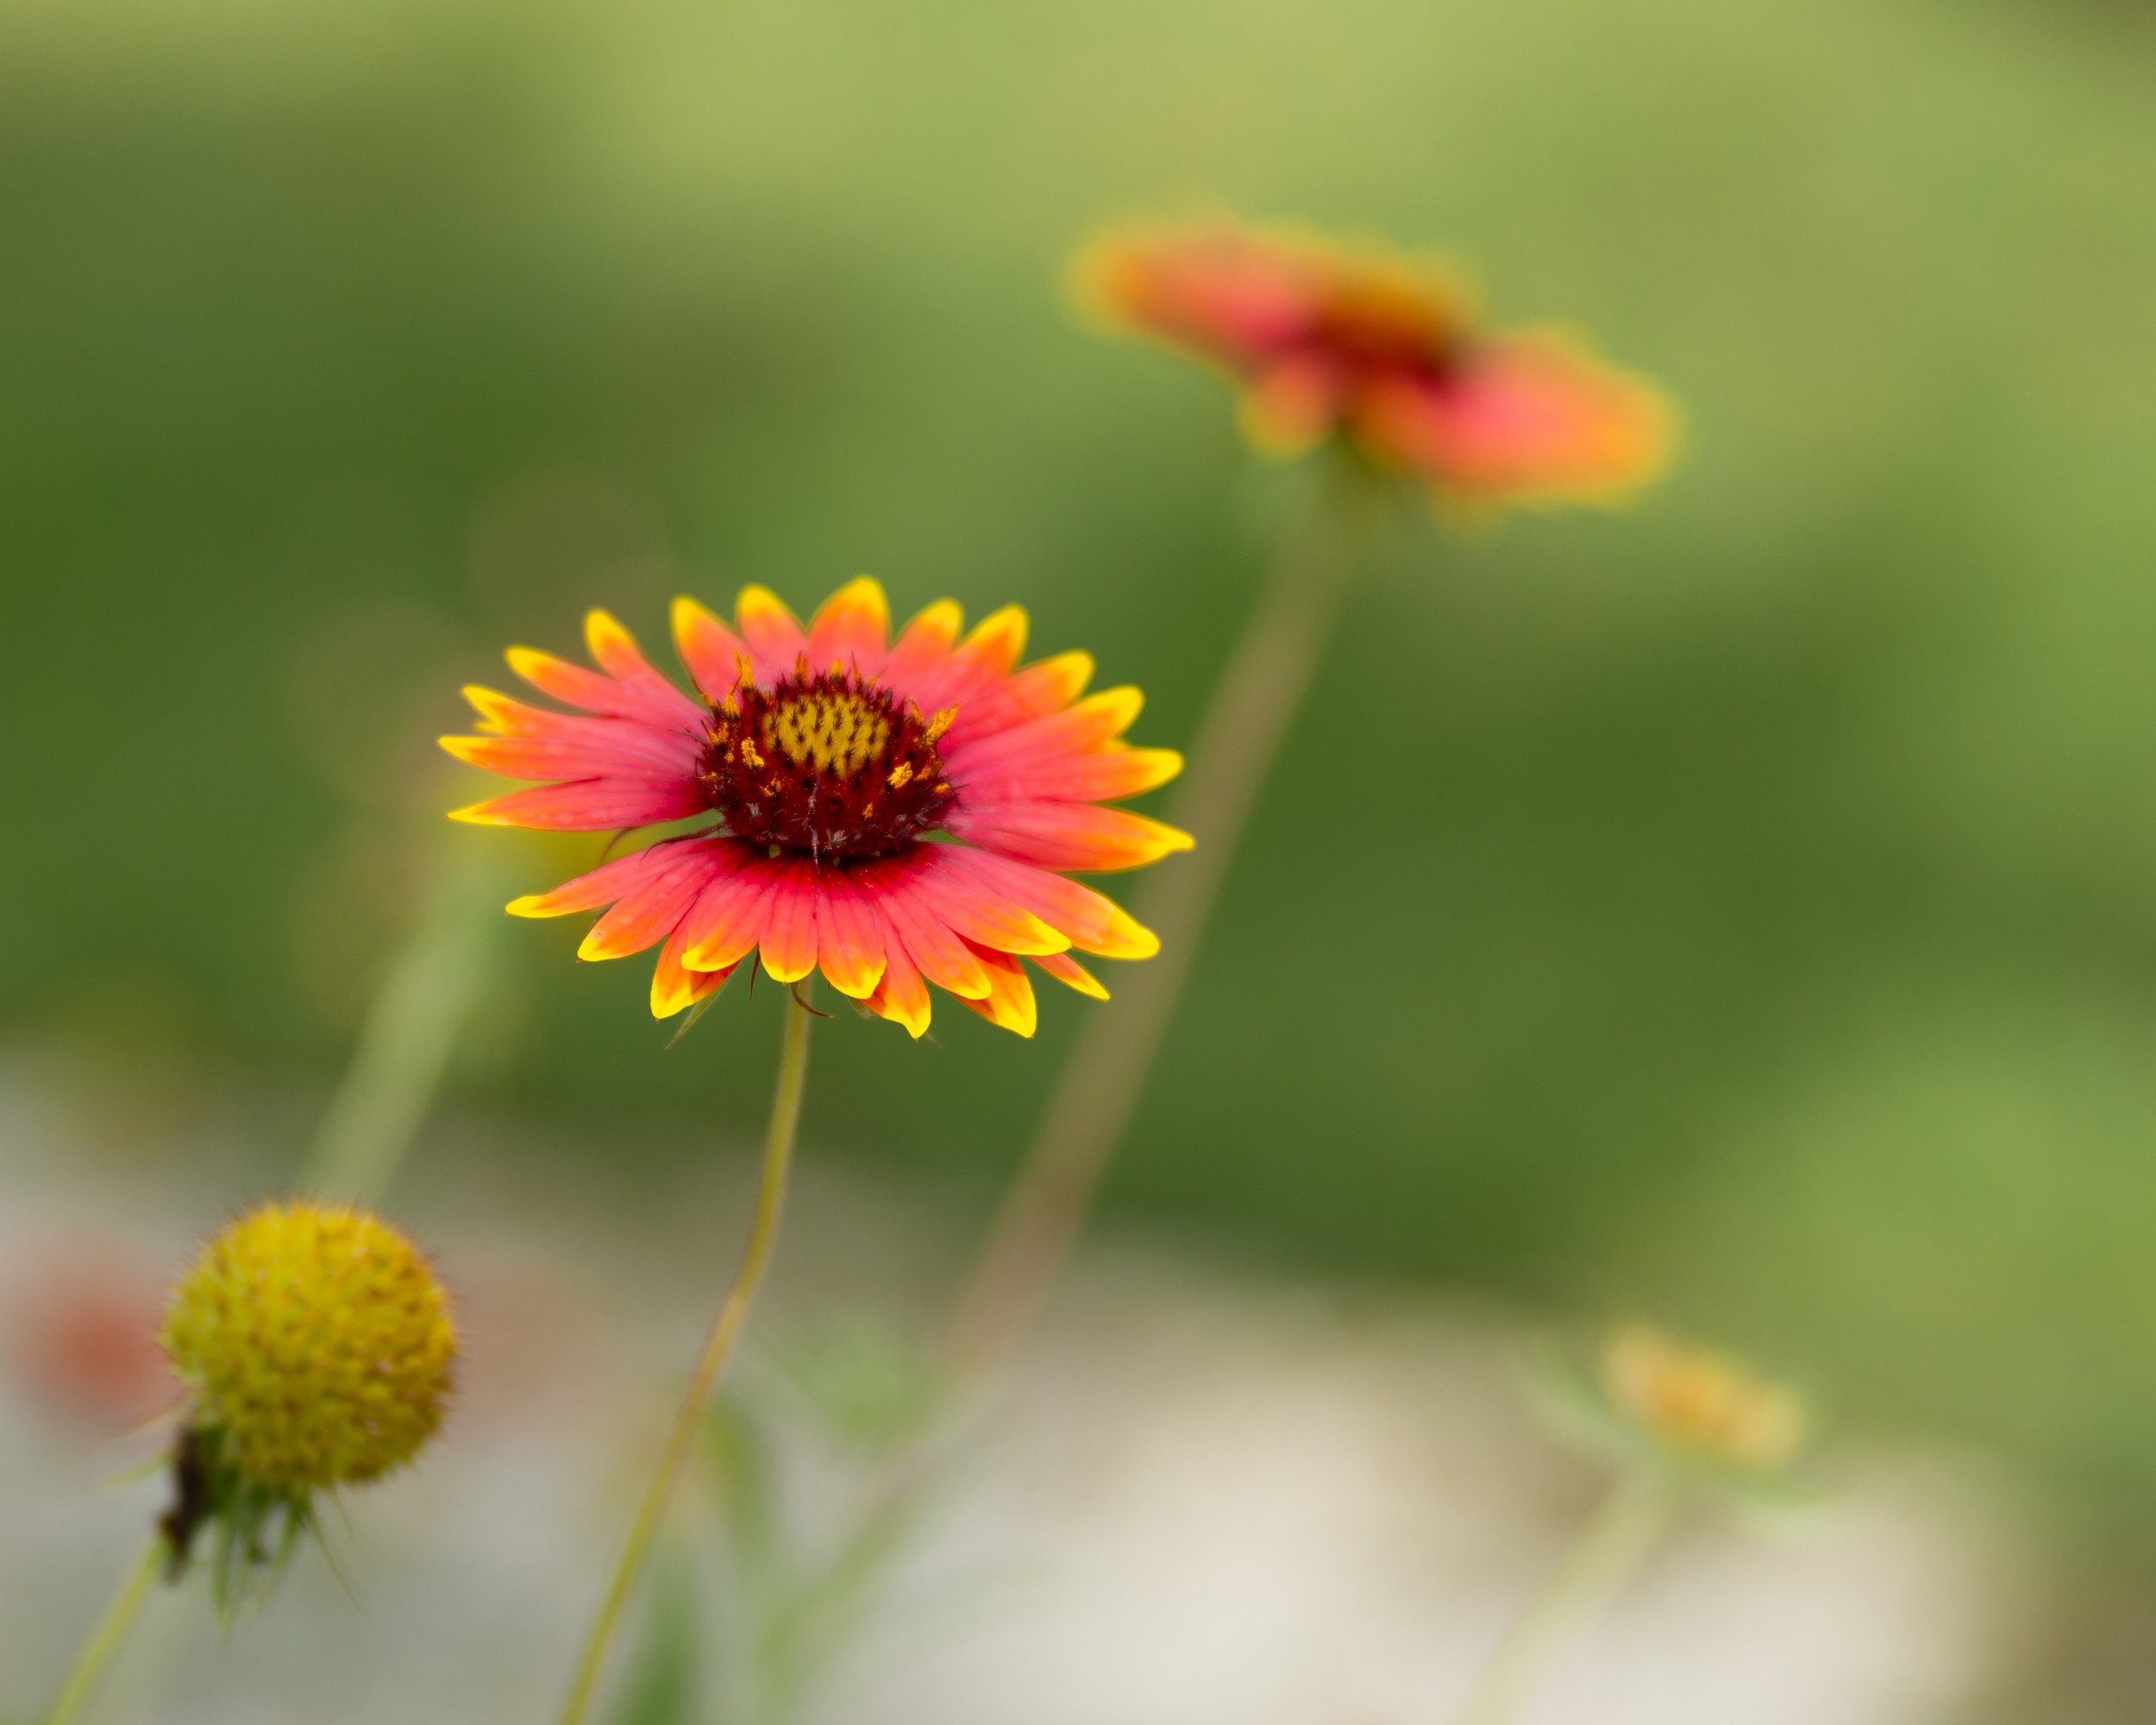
[1378, 327]
[825, 765]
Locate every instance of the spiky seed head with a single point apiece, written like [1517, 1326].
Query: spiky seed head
[316, 1344]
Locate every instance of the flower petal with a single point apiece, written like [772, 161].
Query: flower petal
[789, 927]
[727, 921]
[977, 914]
[978, 661]
[1099, 777]
[849, 944]
[850, 630]
[1082, 837]
[614, 650]
[1234, 295]
[546, 757]
[901, 996]
[669, 709]
[1091, 725]
[1068, 970]
[607, 882]
[773, 631]
[638, 747]
[942, 957]
[650, 911]
[1523, 419]
[1009, 1002]
[923, 648]
[674, 985]
[1096, 923]
[588, 806]
[1046, 687]
[711, 651]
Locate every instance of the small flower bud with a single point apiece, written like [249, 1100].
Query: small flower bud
[1701, 1405]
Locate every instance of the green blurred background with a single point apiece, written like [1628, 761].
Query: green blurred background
[1743, 908]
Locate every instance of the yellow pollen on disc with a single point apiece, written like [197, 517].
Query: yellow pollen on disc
[835, 731]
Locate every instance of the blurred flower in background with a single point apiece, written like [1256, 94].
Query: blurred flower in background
[1701, 1405]
[1383, 349]
[81, 1324]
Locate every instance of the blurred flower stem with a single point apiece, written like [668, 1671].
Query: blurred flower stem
[1616, 1538]
[763, 1231]
[411, 1030]
[1252, 705]
[105, 1640]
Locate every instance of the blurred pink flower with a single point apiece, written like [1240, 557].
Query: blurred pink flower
[1383, 349]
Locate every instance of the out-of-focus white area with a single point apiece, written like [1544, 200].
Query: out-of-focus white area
[1197, 1498]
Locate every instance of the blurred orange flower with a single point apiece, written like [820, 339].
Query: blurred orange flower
[1699, 1402]
[825, 767]
[1383, 349]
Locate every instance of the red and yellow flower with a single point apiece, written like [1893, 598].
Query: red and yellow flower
[894, 813]
[1383, 349]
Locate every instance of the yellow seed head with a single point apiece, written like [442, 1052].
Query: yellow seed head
[316, 1342]
[1701, 1402]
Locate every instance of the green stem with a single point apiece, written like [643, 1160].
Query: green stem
[410, 1032]
[1615, 1539]
[105, 1641]
[763, 1230]
[1252, 705]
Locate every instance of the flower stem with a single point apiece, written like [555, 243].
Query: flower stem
[1255, 700]
[1616, 1537]
[778, 1157]
[105, 1641]
[410, 1033]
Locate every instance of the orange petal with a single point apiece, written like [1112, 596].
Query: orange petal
[650, 698]
[1099, 777]
[627, 755]
[711, 651]
[1091, 725]
[849, 945]
[773, 631]
[1531, 418]
[647, 915]
[602, 884]
[1065, 968]
[1046, 687]
[727, 921]
[789, 928]
[924, 647]
[851, 629]
[1084, 838]
[1231, 293]
[1095, 922]
[588, 806]
[675, 985]
[940, 955]
[981, 660]
[980, 916]
[505, 714]
[1010, 1001]
[902, 996]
